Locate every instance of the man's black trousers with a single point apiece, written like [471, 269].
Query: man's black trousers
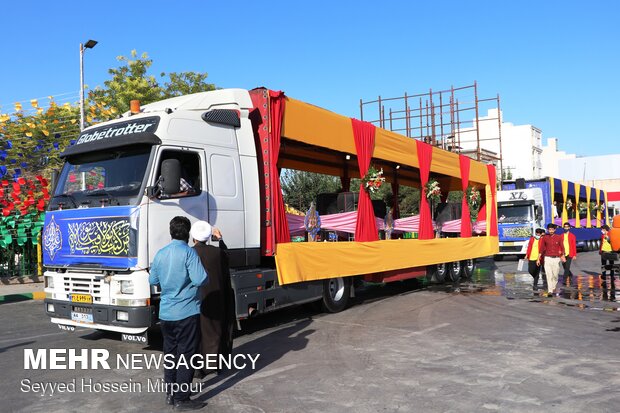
[180, 337]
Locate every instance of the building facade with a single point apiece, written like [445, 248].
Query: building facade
[521, 145]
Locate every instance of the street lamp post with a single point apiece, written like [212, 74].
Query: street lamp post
[88, 45]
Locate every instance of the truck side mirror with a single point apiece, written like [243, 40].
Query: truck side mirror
[171, 176]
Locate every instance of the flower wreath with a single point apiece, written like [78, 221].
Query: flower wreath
[433, 191]
[598, 208]
[569, 204]
[474, 202]
[373, 180]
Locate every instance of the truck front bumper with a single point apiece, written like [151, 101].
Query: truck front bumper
[105, 317]
[512, 247]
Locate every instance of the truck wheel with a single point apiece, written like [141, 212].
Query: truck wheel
[455, 270]
[498, 257]
[336, 292]
[437, 273]
[469, 266]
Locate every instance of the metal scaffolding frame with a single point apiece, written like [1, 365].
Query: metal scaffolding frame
[440, 118]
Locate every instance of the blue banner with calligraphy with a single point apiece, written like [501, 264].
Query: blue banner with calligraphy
[103, 237]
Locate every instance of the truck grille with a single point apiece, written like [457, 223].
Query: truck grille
[510, 249]
[84, 284]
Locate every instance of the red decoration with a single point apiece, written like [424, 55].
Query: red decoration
[276, 109]
[21, 180]
[5, 182]
[425, 158]
[464, 162]
[364, 136]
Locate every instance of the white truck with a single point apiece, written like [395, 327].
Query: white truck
[120, 187]
[519, 213]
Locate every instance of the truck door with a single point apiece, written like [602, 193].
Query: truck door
[192, 202]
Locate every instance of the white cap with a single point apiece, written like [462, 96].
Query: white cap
[201, 231]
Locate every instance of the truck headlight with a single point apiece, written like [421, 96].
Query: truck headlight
[126, 287]
[122, 316]
[49, 282]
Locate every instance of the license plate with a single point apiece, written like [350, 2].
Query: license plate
[82, 298]
[81, 317]
[509, 244]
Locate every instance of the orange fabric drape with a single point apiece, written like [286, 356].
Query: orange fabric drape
[492, 226]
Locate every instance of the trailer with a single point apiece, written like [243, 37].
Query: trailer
[107, 218]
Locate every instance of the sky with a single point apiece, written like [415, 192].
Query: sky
[555, 64]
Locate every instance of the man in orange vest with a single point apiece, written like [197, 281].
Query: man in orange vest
[532, 255]
[570, 249]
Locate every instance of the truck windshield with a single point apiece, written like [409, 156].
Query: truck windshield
[514, 214]
[106, 178]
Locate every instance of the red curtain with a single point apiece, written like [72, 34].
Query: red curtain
[276, 112]
[492, 226]
[364, 135]
[465, 219]
[425, 157]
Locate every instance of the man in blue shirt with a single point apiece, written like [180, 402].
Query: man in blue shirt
[179, 273]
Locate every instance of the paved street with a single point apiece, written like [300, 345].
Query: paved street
[494, 346]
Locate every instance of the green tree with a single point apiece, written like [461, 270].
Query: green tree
[186, 83]
[33, 142]
[300, 188]
[131, 80]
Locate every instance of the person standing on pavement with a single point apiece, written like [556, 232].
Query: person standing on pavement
[607, 258]
[552, 253]
[217, 309]
[533, 252]
[570, 250]
[178, 271]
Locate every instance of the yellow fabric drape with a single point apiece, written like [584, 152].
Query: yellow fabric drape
[588, 214]
[577, 216]
[565, 197]
[316, 126]
[488, 204]
[553, 206]
[598, 211]
[308, 261]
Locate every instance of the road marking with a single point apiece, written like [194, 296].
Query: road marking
[40, 335]
[427, 330]
[401, 330]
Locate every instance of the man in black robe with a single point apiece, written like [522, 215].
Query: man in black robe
[217, 311]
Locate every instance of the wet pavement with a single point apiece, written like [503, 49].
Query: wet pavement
[586, 289]
[495, 345]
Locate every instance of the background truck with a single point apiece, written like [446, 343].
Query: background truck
[120, 186]
[524, 205]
